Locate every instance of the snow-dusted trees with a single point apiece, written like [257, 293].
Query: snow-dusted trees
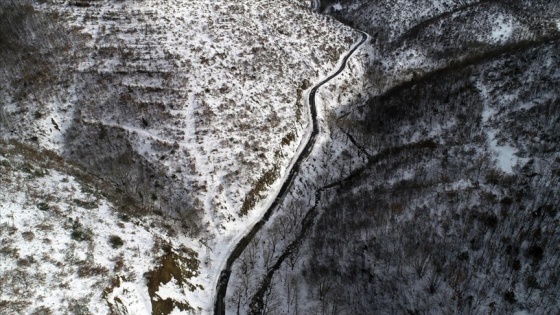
[436, 208]
[31, 46]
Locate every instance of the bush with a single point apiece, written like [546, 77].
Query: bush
[124, 217]
[43, 206]
[79, 233]
[85, 204]
[79, 307]
[493, 177]
[40, 173]
[115, 241]
[28, 235]
[254, 195]
[535, 252]
[42, 310]
[86, 271]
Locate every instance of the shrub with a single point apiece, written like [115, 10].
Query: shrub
[40, 173]
[536, 252]
[42, 310]
[493, 177]
[86, 271]
[489, 219]
[115, 241]
[85, 204]
[254, 195]
[509, 296]
[506, 201]
[79, 307]
[28, 235]
[26, 168]
[79, 233]
[43, 206]
[124, 217]
[119, 263]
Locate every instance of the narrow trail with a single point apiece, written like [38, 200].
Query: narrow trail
[221, 286]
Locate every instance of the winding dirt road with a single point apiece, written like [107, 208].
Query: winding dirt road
[221, 287]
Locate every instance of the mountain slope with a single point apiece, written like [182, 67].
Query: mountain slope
[190, 111]
[450, 201]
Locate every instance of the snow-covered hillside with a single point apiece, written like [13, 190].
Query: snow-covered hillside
[328, 160]
[190, 110]
[66, 248]
[207, 91]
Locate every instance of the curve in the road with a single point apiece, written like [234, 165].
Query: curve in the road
[221, 287]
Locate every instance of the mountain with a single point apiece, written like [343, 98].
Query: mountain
[143, 141]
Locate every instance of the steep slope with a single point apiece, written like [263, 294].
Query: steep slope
[413, 39]
[255, 306]
[68, 247]
[187, 85]
[433, 188]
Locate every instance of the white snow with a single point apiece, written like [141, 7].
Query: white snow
[335, 96]
[504, 154]
[59, 264]
[461, 184]
[172, 290]
[133, 297]
[234, 69]
[502, 29]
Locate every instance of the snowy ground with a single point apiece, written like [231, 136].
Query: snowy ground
[336, 157]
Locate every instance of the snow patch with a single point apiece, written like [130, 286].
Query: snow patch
[505, 154]
[131, 297]
[171, 290]
[502, 29]
[337, 7]
[461, 184]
